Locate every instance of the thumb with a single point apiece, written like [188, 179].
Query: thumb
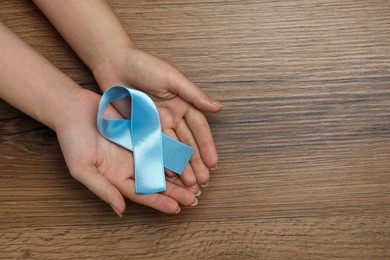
[193, 94]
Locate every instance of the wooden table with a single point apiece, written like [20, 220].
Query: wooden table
[303, 139]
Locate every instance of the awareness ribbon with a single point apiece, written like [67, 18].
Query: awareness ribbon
[142, 134]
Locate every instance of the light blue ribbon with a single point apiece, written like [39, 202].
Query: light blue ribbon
[142, 134]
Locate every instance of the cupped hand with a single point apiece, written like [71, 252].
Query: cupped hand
[106, 168]
[180, 104]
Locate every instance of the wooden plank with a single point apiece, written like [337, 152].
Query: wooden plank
[298, 238]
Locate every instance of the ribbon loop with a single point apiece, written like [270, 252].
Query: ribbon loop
[142, 134]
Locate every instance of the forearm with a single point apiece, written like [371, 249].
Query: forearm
[90, 27]
[32, 84]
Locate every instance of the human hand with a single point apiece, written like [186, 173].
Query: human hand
[180, 104]
[106, 168]
[96, 35]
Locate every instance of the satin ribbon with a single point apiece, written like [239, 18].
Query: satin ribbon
[142, 134]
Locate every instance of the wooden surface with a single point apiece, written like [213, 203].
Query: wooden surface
[304, 137]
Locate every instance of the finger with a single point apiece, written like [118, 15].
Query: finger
[170, 173]
[101, 187]
[185, 135]
[177, 181]
[188, 175]
[200, 128]
[188, 91]
[167, 202]
[180, 194]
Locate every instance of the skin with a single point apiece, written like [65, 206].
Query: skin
[94, 32]
[96, 35]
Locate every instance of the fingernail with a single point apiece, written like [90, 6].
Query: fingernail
[117, 212]
[214, 168]
[217, 103]
[205, 185]
[198, 194]
[178, 211]
[195, 203]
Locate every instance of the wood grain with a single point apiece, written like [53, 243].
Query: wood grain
[304, 137]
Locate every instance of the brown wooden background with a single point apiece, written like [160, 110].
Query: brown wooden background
[304, 137]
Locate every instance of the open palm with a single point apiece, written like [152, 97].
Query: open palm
[180, 104]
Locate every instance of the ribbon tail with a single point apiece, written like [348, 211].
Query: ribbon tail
[147, 145]
[176, 155]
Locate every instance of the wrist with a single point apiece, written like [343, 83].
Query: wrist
[109, 71]
[106, 51]
[80, 105]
